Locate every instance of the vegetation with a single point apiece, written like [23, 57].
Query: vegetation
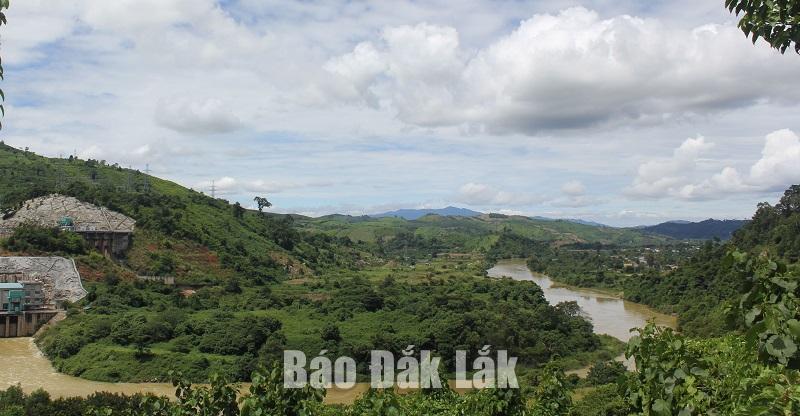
[703, 230]
[144, 329]
[776, 21]
[676, 375]
[30, 238]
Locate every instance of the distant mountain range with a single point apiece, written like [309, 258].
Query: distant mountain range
[574, 220]
[413, 214]
[703, 230]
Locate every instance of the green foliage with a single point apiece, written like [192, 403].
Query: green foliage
[676, 375]
[604, 400]
[139, 331]
[776, 21]
[680, 376]
[29, 238]
[268, 397]
[551, 395]
[771, 309]
[605, 372]
[262, 203]
[670, 379]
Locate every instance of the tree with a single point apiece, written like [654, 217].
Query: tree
[776, 21]
[238, 210]
[330, 332]
[605, 372]
[262, 203]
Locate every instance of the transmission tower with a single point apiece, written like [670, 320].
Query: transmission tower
[147, 177]
[213, 189]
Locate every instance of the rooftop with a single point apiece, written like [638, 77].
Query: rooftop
[59, 210]
[10, 286]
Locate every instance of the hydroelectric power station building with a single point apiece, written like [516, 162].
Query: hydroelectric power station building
[108, 231]
[33, 291]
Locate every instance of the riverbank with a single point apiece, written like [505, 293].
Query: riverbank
[26, 366]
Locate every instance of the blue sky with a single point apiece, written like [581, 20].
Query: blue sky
[621, 112]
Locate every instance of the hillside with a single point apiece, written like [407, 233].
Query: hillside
[218, 239]
[413, 214]
[434, 233]
[706, 283]
[703, 230]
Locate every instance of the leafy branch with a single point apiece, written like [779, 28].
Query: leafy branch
[776, 21]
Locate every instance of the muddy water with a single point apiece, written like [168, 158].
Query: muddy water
[609, 314]
[22, 363]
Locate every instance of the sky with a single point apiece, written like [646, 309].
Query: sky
[617, 111]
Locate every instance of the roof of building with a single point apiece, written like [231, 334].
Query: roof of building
[54, 210]
[10, 286]
[59, 276]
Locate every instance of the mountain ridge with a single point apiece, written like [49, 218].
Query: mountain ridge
[701, 230]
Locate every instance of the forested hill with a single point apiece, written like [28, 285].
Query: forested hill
[179, 231]
[703, 230]
[700, 289]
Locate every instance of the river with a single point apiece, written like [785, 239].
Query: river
[609, 314]
[22, 363]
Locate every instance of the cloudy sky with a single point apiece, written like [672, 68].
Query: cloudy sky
[619, 111]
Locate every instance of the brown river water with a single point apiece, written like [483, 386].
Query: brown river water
[609, 314]
[22, 363]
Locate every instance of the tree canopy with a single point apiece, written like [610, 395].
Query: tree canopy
[775, 21]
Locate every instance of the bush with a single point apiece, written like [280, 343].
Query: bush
[35, 238]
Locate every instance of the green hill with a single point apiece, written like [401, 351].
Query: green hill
[217, 237]
[467, 234]
[701, 289]
[703, 230]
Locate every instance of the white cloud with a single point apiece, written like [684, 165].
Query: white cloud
[573, 188]
[198, 117]
[479, 194]
[392, 109]
[663, 177]
[561, 71]
[778, 167]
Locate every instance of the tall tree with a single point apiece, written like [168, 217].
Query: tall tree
[262, 203]
[776, 21]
